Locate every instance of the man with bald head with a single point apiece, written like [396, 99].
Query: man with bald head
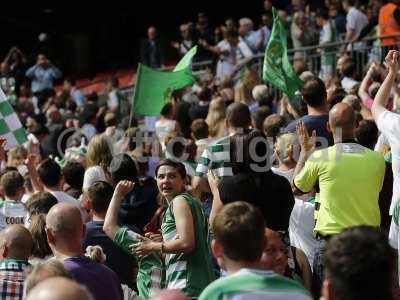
[15, 248]
[65, 232]
[349, 178]
[59, 288]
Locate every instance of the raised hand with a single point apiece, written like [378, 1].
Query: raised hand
[213, 181]
[392, 61]
[123, 187]
[372, 68]
[31, 160]
[307, 144]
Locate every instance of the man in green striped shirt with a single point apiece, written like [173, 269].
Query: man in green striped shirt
[217, 155]
[238, 246]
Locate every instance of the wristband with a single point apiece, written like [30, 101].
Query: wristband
[162, 247]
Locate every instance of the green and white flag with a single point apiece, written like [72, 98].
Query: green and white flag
[277, 69]
[11, 128]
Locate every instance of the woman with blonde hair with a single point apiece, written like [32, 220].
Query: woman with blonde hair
[243, 91]
[41, 250]
[98, 158]
[16, 156]
[216, 118]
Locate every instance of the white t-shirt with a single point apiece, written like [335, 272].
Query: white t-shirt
[389, 125]
[25, 198]
[65, 198]
[356, 21]
[163, 128]
[287, 174]
[112, 102]
[12, 212]
[325, 35]
[227, 62]
[301, 228]
[382, 141]
[348, 84]
[92, 175]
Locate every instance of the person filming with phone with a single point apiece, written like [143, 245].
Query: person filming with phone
[43, 74]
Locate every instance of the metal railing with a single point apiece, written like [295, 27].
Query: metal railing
[364, 52]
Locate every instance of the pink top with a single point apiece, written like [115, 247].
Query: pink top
[368, 101]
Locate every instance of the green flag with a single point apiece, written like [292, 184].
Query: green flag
[186, 61]
[153, 87]
[277, 69]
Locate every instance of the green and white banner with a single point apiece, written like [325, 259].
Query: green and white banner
[11, 128]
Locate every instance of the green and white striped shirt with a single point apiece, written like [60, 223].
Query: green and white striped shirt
[394, 233]
[216, 157]
[255, 285]
[150, 276]
[190, 272]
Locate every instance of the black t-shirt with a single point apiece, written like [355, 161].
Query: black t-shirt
[139, 206]
[197, 111]
[270, 192]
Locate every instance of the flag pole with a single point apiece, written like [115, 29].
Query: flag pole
[131, 112]
[133, 98]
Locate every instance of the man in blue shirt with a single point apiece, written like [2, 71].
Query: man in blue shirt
[314, 95]
[98, 198]
[252, 38]
[43, 74]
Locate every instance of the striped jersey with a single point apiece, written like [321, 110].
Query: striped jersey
[150, 275]
[189, 272]
[394, 232]
[255, 285]
[216, 157]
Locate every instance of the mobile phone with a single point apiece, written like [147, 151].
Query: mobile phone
[151, 228]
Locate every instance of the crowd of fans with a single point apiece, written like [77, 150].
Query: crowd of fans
[232, 192]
